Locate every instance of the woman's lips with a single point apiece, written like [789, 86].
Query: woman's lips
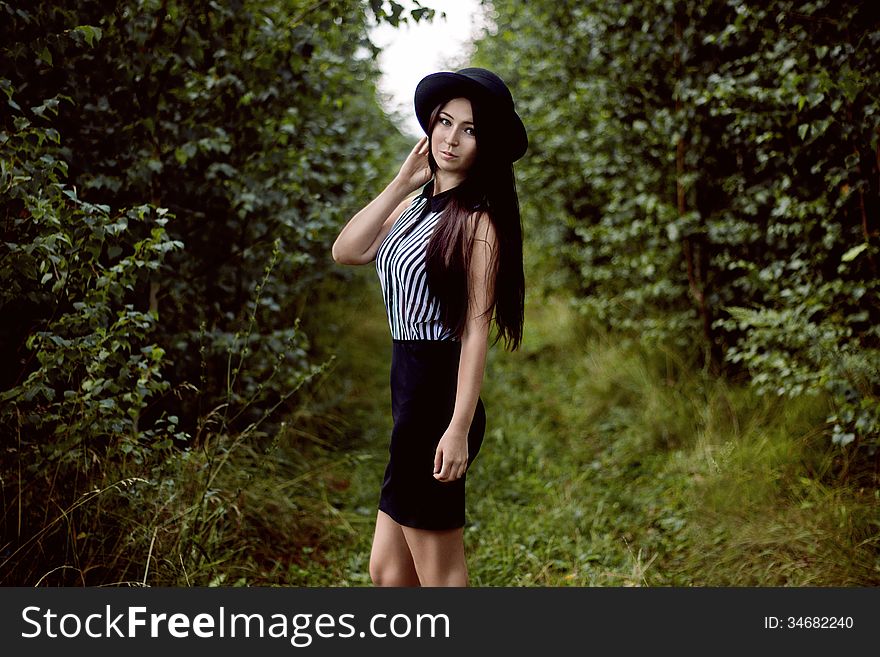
[446, 155]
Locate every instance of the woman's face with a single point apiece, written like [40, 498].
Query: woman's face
[453, 140]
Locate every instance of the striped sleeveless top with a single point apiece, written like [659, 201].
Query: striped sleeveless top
[413, 312]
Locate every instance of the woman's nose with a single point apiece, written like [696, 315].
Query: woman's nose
[452, 137]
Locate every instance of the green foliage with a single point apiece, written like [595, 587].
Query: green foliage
[626, 465]
[255, 124]
[173, 174]
[90, 368]
[709, 174]
[607, 464]
[88, 365]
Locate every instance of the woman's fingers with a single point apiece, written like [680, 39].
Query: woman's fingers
[416, 168]
[421, 147]
[438, 461]
[447, 469]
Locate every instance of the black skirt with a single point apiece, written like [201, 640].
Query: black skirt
[424, 379]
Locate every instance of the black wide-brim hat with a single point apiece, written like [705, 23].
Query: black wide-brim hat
[476, 84]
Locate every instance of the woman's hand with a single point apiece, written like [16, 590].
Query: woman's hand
[451, 457]
[415, 170]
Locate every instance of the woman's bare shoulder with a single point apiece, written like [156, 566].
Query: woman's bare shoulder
[481, 226]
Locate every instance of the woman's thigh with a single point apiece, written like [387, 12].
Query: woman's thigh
[438, 555]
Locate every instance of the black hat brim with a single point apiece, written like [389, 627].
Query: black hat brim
[439, 87]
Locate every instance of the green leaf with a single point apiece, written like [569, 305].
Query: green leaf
[90, 33]
[852, 253]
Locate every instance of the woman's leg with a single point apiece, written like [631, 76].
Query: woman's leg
[391, 563]
[438, 556]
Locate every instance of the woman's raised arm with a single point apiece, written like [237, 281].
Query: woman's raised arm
[359, 240]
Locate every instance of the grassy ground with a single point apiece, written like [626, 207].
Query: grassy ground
[603, 465]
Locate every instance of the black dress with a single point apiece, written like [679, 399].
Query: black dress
[424, 378]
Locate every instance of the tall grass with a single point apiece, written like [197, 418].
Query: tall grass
[604, 464]
[233, 505]
[612, 464]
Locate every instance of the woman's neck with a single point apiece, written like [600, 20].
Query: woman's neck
[444, 181]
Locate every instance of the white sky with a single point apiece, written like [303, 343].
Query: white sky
[412, 51]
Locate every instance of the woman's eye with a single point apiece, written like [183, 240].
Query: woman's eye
[445, 122]
[470, 131]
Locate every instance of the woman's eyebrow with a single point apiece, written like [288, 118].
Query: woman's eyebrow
[452, 117]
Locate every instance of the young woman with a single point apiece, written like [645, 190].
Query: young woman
[449, 262]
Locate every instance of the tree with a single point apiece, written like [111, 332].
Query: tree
[173, 174]
[710, 173]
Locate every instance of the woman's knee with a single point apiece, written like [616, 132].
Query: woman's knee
[384, 572]
[456, 576]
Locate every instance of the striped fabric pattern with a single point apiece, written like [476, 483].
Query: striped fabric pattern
[413, 312]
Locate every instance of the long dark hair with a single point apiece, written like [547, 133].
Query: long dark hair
[489, 187]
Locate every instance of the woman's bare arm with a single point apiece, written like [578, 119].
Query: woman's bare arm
[450, 461]
[359, 240]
